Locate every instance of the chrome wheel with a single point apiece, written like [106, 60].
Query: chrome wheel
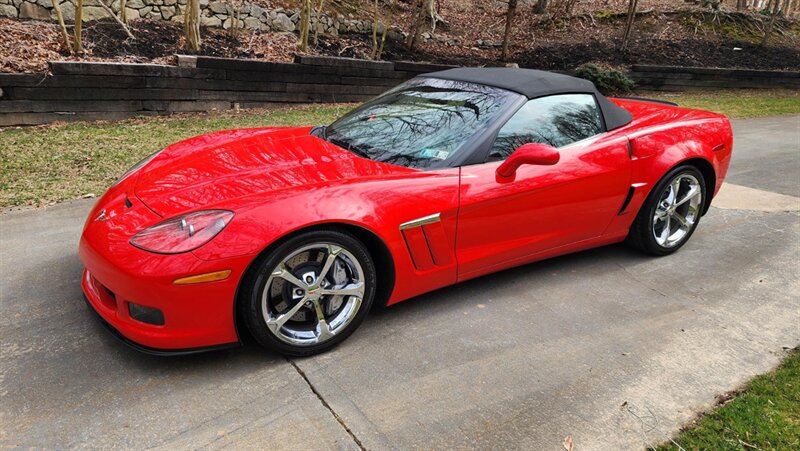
[313, 294]
[677, 211]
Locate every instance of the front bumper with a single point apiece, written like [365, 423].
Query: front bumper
[117, 273]
[148, 350]
[175, 337]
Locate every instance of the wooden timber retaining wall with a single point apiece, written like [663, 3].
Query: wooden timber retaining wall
[670, 78]
[91, 91]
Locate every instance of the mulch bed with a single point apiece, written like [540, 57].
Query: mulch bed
[472, 36]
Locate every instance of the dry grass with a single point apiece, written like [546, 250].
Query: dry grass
[47, 164]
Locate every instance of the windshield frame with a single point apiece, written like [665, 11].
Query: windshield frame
[461, 155]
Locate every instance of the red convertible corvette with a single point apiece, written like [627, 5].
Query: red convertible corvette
[293, 234]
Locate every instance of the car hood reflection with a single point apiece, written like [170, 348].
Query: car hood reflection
[217, 167]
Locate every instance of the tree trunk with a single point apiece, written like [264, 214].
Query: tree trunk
[629, 24]
[305, 25]
[375, 18]
[117, 19]
[542, 6]
[776, 8]
[318, 21]
[192, 24]
[512, 10]
[78, 26]
[386, 27]
[123, 15]
[64, 34]
[416, 31]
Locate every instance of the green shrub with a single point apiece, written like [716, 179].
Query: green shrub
[604, 14]
[607, 80]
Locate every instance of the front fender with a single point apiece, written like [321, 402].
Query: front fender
[377, 205]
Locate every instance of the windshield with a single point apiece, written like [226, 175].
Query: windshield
[420, 123]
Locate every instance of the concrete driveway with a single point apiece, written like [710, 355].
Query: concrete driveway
[609, 347]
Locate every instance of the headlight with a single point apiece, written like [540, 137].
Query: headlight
[136, 167]
[184, 233]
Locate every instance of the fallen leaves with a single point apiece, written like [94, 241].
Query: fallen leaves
[568, 445]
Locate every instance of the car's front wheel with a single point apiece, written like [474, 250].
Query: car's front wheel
[309, 293]
[671, 212]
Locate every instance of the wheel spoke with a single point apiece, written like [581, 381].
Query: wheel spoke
[351, 289]
[277, 323]
[283, 272]
[674, 188]
[681, 219]
[333, 252]
[323, 330]
[665, 232]
[693, 192]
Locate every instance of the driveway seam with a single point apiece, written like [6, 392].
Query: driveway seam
[327, 406]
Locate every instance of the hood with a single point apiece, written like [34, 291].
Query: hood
[210, 169]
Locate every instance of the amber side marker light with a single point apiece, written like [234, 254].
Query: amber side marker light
[201, 278]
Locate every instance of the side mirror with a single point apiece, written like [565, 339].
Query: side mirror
[534, 153]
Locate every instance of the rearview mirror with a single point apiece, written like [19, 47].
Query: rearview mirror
[534, 153]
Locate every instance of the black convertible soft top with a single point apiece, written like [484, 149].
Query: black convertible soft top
[536, 83]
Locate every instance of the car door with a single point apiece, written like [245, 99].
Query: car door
[502, 223]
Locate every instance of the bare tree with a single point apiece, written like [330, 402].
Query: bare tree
[416, 29]
[117, 19]
[386, 22]
[776, 9]
[78, 26]
[512, 10]
[318, 20]
[376, 15]
[64, 34]
[235, 10]
[191, 24]
[426, 11]
[305, 24]
[386, 28]
[629, 24]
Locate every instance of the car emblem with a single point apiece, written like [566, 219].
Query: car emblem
[102, 216]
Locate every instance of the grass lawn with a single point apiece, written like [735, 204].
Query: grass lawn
[738, 104]
[766, 416]
[42, 165]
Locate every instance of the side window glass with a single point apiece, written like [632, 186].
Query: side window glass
[555, 120]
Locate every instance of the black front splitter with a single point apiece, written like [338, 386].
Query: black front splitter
[155, 351]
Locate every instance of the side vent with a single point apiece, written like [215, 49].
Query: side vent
[427, 242]
[629, 197]
[418, 248]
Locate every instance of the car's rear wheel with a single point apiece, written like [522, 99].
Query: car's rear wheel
[309, 293]
[671, 212]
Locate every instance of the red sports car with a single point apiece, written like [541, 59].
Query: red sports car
[293, 234]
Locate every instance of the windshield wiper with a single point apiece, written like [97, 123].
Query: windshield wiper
[350, 147]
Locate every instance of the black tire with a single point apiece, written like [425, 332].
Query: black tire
[641, 234]
[254, 284]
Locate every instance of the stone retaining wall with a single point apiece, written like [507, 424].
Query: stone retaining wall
[91, 91]
[212, 14]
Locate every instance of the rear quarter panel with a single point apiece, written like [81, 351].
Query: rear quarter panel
[663, 137]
